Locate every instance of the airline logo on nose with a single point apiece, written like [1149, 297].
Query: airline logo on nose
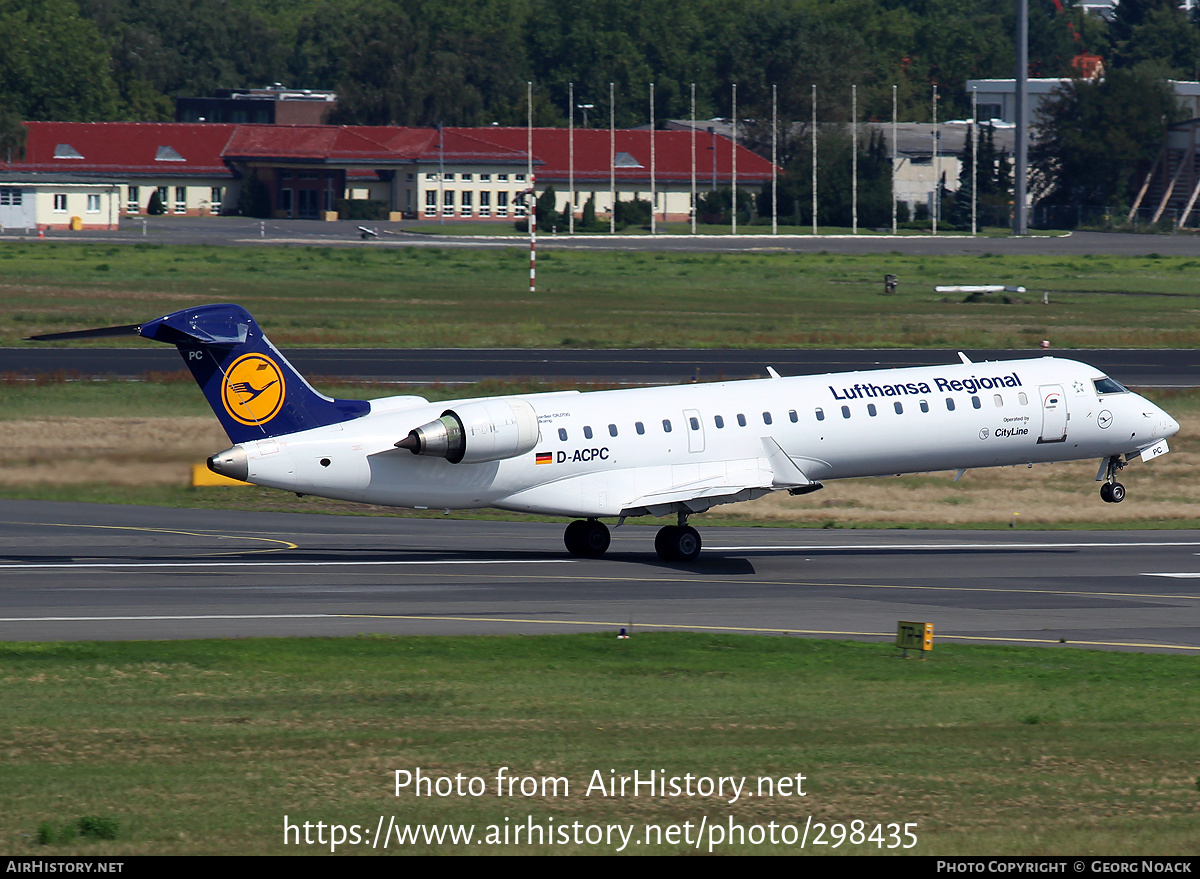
[253, 390]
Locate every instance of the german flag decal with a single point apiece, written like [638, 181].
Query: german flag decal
[545, 457]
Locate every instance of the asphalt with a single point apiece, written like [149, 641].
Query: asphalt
[80, 571]
[1137, 367]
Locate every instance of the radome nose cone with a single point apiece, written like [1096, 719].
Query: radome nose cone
[231, 462]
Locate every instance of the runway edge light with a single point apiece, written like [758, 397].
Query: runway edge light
[914, 636]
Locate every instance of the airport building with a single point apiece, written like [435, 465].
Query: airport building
[304, 171]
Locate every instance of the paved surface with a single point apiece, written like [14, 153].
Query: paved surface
[1139, 367]
[251, 232]
[79, 571]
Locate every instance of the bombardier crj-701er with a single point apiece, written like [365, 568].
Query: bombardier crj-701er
[665, 450]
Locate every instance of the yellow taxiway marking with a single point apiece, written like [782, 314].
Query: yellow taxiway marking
[286, 544]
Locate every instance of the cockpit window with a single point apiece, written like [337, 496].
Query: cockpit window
[1107, 385]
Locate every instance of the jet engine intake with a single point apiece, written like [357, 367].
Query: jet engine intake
[488, 430]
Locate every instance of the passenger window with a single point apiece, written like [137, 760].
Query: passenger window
[612, 430]
[924, 406]
[562, 434]
[587, 433]
[1024, 400]
[899, 408]
[998, 400]
[845, 411]
[694, 422]
[820, 415]
[719, 421]
[949, 404]
[766, 418]
[975, 402]
[640, 428]
[792, 416]
[741, 420]
[871, 410]
[666, 426]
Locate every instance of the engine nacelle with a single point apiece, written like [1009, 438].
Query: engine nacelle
[489, 430]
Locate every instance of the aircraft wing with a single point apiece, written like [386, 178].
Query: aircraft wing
[700, 486]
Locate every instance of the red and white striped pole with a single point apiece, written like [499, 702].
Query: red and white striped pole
[531, 212]
[532, 235]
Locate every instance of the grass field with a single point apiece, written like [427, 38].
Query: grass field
[446, 297]
[203, 747]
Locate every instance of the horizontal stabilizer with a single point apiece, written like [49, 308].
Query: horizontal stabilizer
[97, 333]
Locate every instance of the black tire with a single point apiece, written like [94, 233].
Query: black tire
[587, 538]
[1106, 493]
[675, 543]
[1117, 493]
[664, 543]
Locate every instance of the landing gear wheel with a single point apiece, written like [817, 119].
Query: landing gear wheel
[1117, 493]
[1106, 493]
[677, 543]
[587, 538]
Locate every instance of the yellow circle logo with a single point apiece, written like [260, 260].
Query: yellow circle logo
[253, 390]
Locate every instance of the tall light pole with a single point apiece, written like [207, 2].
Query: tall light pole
[584, 108]
[1020, 227]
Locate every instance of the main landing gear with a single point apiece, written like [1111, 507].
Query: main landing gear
[588, 538]
[1112, 492]
[678, 543]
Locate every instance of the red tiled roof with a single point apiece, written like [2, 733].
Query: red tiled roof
[672, 154]
[183, 149]
[127, 148]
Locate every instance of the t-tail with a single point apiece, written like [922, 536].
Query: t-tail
[251, 387]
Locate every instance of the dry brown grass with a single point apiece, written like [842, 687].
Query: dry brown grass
[160, 452]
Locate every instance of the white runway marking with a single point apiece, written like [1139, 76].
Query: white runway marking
[279, 564]
[843, 547]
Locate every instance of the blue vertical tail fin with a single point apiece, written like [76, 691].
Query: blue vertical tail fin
[251, 387]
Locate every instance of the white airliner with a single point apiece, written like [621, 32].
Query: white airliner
[659, 451]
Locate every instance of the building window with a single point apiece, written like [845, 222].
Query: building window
[135, 200]
[431, 176]
[60, 202]
[431, 202]
[503, 178]
[467, 199]
[93, 204]
[467, 177]
[218, 197]
[485, 204]
[181, 199]
[486, 178]
[449, 176]
[10, 197]
[448, 203]
[501, 204]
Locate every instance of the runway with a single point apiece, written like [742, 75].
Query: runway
[80, 571]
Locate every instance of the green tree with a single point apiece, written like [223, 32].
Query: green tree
[53, 63]
[1094, 135]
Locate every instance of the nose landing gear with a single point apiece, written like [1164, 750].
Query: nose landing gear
[1112, 492]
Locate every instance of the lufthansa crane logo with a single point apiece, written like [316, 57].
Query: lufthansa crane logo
[253, 390]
